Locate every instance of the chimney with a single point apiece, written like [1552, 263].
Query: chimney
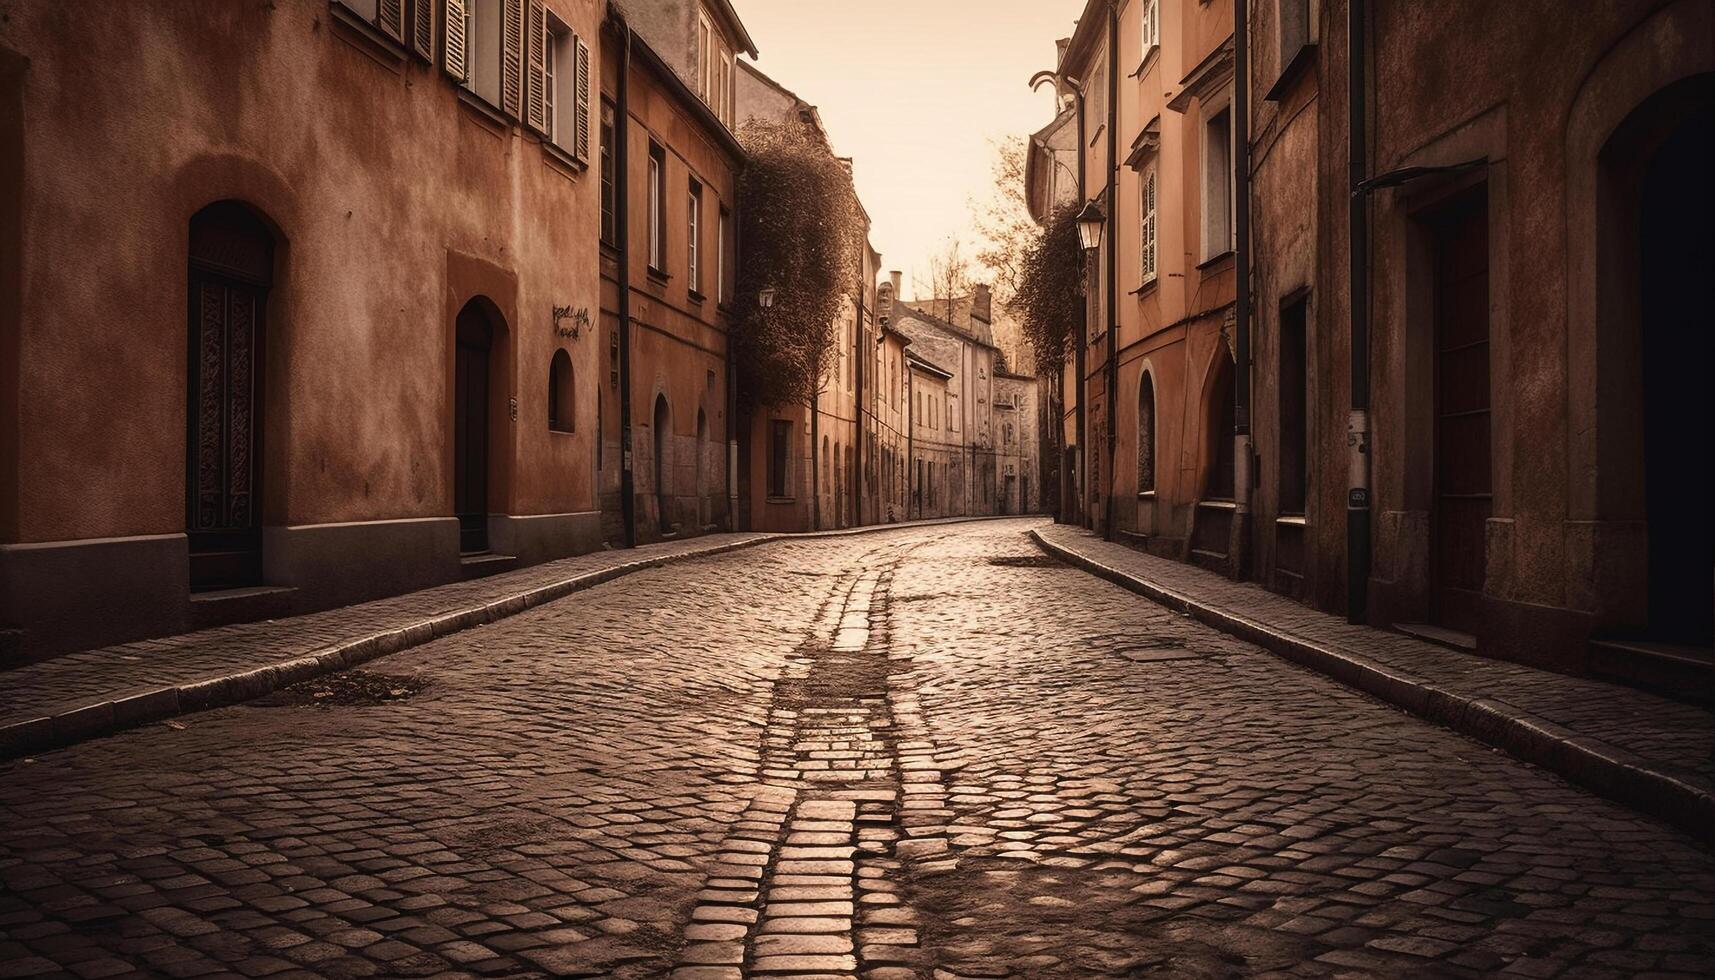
[890, 295]
[1060, 46]
[981, 305]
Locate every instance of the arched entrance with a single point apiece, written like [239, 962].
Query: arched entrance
[472, 374]
[231, 270]
[663, 467]
[1657, 167]
[1218, 437]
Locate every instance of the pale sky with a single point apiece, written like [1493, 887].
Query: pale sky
[914, 91]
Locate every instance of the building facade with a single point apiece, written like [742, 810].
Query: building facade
[358, 294]
[669, 162]
[1511, 476]
[1537, 421]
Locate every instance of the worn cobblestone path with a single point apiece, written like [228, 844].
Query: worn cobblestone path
[919, 753]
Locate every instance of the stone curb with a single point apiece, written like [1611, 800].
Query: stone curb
[1610, 771]
[106, 717]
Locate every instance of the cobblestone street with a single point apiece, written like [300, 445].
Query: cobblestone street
[931, 752]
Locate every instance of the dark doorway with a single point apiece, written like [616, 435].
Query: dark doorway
[704, 511]
[1463, 497]
[475, 344]
[231, 268]
[1219, 442]
[663, 444]
[1677, 293]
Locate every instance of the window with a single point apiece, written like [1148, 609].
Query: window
[560, 403]
[720, 255]
[657, 208]
[779, 456]
[557, 83]
[1151, 25]
[554, 37]
[607, 187]
[388, 16]
[694, 238]
[1146, 226]
[1217, 184]
[1294, 398]
[952, 413]
[1146, 434]
[480, 50]
[714, 69]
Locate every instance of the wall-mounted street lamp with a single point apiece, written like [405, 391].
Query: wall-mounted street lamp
[765, 297]
[1091, 221]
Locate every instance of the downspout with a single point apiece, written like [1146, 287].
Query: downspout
[737, 518]
[622, 219]
[1244, 477]
[1080, 484]
[1358, 425]
[857, 406]
[1112, 195]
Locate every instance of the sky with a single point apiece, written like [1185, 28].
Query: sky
[915, 91]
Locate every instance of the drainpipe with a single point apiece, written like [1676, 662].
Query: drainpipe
[1079, 457]
[1358, 425]
[622, 220]
[1244, 460]
[1112, 194]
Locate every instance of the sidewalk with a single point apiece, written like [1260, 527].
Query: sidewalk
[94, 692]
[1648, 752]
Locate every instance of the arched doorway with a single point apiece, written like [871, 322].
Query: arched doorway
[703, 508]
[1661, 204]
[663, 445]
[472, 373]
[231, 269]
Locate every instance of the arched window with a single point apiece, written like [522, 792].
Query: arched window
[1146, 434]
[560, 392]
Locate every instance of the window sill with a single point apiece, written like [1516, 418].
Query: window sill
[1146, 495]
[610, 247]
[657, 275]
[368, 38]
[1294, 67]
[561, 160]
[488, 115]
[1215, 260]
[780, 500]
[1291, 520]
[696, 296]
[561, 432]
[1148, 62]
[1147, 288]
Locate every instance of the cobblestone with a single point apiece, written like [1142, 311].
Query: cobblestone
[878, 757]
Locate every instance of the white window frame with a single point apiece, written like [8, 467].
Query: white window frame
[1150, 25]
[1214, 244]
[1148, 198]
[694, 233]
[657, 248]
[551, 40]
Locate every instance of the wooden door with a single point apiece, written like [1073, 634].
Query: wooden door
[1463, 497]
[231, 264]
[470, 429]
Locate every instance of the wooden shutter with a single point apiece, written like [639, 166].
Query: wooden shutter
[423, 29]
[390, 17]
[536, 68]
[455, 46]
[581, 104]
[512, 60]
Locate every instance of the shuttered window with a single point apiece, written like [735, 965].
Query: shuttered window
[387, 16]
[512, 58]
[422, 26]
[455, 48]
[580, 103]
[541, 61]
